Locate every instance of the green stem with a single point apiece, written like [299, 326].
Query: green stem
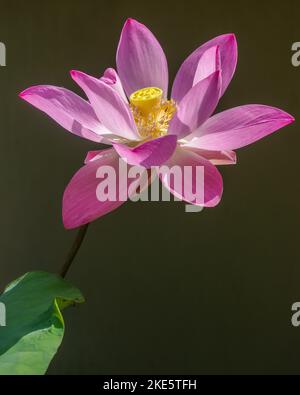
[73, 251]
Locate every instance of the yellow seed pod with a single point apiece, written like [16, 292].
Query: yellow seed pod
[146, 99]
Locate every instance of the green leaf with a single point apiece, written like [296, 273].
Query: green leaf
[34, 324]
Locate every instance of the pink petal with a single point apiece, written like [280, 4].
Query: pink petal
[80, 202]
[185, 77]
[141, 61]
[217, 158]
[197, 105]
[94, 155]
[151, 153]
[209, 63]
[238, 127]
[110, 108]
[213, 184]
[67, 109]
[111, 78]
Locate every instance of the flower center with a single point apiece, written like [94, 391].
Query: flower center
[152, 114]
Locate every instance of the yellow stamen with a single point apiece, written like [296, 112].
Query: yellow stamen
[151, 113]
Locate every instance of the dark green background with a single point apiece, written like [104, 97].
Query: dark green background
[166, 291]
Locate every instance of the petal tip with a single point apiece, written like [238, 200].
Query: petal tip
[22, 94]
[131, 21]
[74, 73]
[110, 74]
[26, 92]
[286, 117]
[77, 76]
[229, 37]
[69, 224]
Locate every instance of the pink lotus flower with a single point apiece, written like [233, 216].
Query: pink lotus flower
[148, 129]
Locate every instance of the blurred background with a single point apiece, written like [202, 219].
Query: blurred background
[167, 292]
